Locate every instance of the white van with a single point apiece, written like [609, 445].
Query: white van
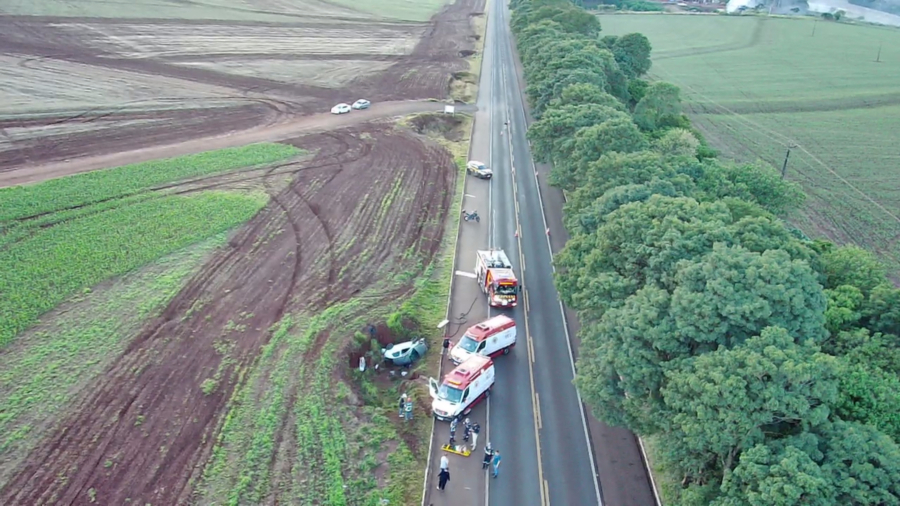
[462, 388]
[491, 338]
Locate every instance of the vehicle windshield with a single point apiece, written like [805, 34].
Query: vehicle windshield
[506, 290]
[449, 393]
[468, 344]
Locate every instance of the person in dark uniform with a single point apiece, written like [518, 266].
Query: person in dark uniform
[488, 455]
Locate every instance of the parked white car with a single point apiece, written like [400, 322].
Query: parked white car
[361, 104]
[340, 109]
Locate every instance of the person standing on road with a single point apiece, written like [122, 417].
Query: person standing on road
[475, 430]
[488, 453]
[402, 407]
[409, 408]
[443, 478]
[496, 463]
[453, 432]
[445, 463]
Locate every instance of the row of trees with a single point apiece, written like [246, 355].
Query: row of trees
[764, 363]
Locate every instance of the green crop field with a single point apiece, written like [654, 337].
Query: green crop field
[69, 234]
[756, 86]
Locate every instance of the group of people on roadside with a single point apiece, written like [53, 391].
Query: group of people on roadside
[491, 456]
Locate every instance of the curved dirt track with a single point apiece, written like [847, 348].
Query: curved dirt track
[147, 415]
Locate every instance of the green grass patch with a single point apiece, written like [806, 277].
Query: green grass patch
[46, 366]
[667, 484]
[40, 271]
[82, 189]
[756, 85]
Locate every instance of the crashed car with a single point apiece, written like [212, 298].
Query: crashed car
[479, 170]
[405, 353]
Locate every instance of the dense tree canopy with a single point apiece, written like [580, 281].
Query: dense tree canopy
[632, 52]
[839, 463]
[765, 364]
[660, 107]
[554, 133]
[731, 399]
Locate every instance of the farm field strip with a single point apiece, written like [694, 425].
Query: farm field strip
[761, 85]
[20, 202]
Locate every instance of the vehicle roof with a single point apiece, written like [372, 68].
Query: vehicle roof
[500, 274]
[493, 256]
[468, 371]
[488, 327]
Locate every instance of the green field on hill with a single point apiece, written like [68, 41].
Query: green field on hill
[757, 85]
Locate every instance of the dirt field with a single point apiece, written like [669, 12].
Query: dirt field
[370, 204]
[148, 410]
[79, 86]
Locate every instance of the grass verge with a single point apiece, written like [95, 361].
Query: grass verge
[668, 485]
[47, 365]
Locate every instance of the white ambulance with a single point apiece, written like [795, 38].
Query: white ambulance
[462, 388]
[491, 338]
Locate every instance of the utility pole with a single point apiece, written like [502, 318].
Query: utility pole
[815, 23]
[878, 58]
[784, 166]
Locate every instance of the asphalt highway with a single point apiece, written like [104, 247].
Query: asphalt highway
[551, 448]
[556, 467]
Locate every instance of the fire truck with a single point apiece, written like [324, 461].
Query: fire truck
[496, 277]
[462, 388]
[491, 338]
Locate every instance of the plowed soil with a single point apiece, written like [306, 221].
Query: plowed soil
[148, 413]
[371, 198]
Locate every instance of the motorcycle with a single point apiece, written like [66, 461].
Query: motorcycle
[473, 216]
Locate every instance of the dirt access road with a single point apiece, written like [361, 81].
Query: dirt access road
[369, 203]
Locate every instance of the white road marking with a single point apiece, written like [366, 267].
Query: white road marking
[466, 274]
